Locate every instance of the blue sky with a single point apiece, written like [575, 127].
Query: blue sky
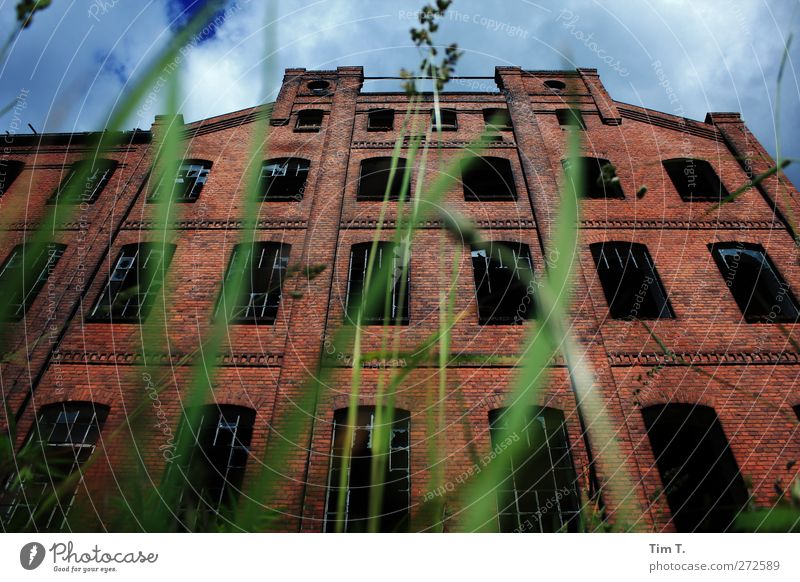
[678, 56]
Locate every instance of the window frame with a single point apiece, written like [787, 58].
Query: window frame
[724, 268]
[299, 165]
[449, 111]
[106, 166]
[490, 112]
[380, 119]
[399, 264]
[396, 187]
[598, 250]
[520, 252]
[186, 194]
[564, 115]
[592, 172]
[280, 254]
[41, 266]
[305, 115]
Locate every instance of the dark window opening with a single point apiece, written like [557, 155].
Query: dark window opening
[538, 491]
[63, 438]
[258, 269]
[216, 466]
[283, 179]
[84, 182]
[695, 180]
[374, 179]
[309, 120]
[599, 178]
[447, 119]
[796, 409]
[699, 474]
[23, 274]
[497, 119]
[380, 445]
[134, 283]
[389, 290]
[488, 179]
[380, 120]
[503, 283]
[319, 87]
[9, 171]
[630, 281]
[570, 117]
[555, 86]
[760, 291]
[190, 177]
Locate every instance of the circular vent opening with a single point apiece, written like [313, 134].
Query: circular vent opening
[319, 87]
[555, 85]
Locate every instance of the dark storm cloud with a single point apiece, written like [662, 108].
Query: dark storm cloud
[676, 56]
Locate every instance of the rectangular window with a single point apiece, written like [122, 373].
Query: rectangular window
[350, 508]
[309, 120]
[380, 120]
[216, 466]
[390, 299]
[23, 275]
[84, 182]
[695, 180]
[448, 119]
[630, 282]
[503, 272]
[570, 117]
[258, 269]
[759, 290]
[283, 179]
[539, 490]
[134, 283]
[497, 119]
[190, 177]
[63, 438]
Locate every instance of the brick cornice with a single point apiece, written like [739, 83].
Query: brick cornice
[622, 359]
[134, 358]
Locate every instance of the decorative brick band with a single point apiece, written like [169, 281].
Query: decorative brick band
[237, 359]
[458, 144]
[703, 358]
[682, 224]
[215, 224]
[436, 224]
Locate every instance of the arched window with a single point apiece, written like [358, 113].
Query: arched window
[9, 171]
[216, 466]
[630, 281]
[388, 300]
[503, 274]
[699, 474]
[695, 180]
[134, 283]
[65, 436]
[538, 491]
[190, 177]
[373, 182]
[378, 445]
[85, 181]
[487, 179]
[598, 178]
[283, 179]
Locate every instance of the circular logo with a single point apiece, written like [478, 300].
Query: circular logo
[31, 555]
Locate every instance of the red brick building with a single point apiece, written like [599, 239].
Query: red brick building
[714, 398]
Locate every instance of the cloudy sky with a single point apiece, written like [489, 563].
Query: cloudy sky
[80, 56]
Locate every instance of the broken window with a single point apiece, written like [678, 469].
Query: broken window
[555, 85]
[759, 290]
[134, 283]
[369, 482]
[448, 120]
[699, 474]
[9, 171]
[695, 180]
[630, 281]
[190, 177]
[380, 120]
[599, 178]
[538, 491]
[503, 283]
[373, 181]
[23, 274]
[796, 409]
[216, 466]
[570, 117]
[487, 179]
[309, 120]
[84, 182]
[389, 302]
[319, 87]
[63, 438]
[497, 119]
[258, 269]
[283, 179]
